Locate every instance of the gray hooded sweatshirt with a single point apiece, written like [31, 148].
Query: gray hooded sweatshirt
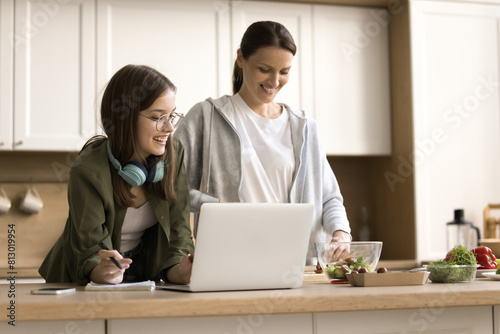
[214, 166]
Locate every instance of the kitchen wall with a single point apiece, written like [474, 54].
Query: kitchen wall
[34, 234]
[353, 174]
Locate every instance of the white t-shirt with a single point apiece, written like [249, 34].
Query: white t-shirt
[267, 154]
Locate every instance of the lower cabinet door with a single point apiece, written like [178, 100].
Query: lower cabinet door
[55, 327]
[254, 324]
[437, 320]
[496, 319]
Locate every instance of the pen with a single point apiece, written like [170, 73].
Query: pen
[103, 246]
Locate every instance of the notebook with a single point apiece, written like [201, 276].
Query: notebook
[135, 286]
[249, 246]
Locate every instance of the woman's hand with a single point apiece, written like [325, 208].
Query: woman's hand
[107, 272]
[181, 272]
[343, 250]
[341, 236]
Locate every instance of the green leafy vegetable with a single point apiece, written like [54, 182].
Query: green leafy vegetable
[460, 255]
[459, 265]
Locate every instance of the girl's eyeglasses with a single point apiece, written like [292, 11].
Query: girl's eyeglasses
[162, 121]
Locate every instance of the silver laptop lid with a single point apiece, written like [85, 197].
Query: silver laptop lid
[245, 246]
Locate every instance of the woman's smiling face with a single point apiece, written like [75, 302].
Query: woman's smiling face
[150, 141]
[264, 73]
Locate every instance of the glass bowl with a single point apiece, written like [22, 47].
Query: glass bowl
[354, 254]
[452, 274]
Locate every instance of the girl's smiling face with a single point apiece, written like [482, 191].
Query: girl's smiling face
[264, 73]
[150, 141]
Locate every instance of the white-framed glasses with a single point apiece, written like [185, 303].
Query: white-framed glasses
[174, 118]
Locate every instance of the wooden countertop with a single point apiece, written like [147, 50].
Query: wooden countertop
[316, 295]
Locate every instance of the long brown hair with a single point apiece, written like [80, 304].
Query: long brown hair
[259, 35]
[132, 89]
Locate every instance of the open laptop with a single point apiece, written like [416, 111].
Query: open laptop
[249, 246]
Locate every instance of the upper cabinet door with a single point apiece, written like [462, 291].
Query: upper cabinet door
[6, 73]
[185, 40]
[351, 79]
[54, 51]
[297, 19]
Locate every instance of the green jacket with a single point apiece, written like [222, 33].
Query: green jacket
[94, 216]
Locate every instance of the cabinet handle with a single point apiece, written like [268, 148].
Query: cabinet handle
[2, 143]
[19, 143]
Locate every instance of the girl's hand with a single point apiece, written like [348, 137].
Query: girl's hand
[181, 272]
[107, 272]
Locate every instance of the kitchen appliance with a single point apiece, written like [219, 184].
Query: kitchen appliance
[461, 232]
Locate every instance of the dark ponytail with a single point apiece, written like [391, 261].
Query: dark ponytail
[237, 77]
[259, 35]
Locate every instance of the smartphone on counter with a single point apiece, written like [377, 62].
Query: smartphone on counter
[52, 291]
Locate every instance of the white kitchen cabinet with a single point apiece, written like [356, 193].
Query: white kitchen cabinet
[64, 53]
[54, 74]
[254, 323]
[496, 319]
[6, 73]
[297, 18]
[455, 72]
[188, 41]
[438, 319]
[56, 327]
[351, 79]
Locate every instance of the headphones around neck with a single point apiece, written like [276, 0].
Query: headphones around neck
[135, 173]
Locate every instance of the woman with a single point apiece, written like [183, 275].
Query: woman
[128, 190]
[248, 148]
